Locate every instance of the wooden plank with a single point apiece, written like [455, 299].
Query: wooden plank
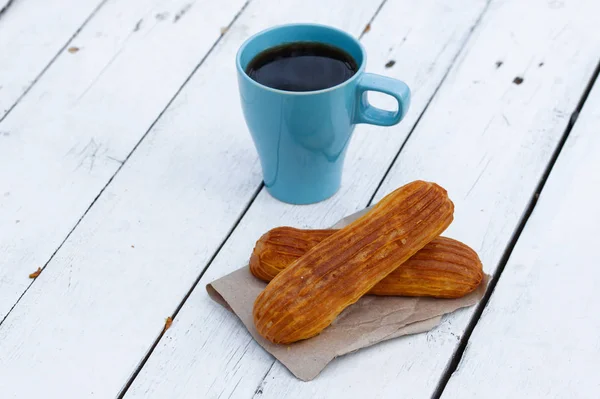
[488, 141]
[207, 352]
[538, 335]
[31, 34]
[89, 319]
[73, 130]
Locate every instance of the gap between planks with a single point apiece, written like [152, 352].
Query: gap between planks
[6, 6]
[452, 62]
[42, 72]
[187, 294]
[35, 80]
[458, 354]
[167, 105]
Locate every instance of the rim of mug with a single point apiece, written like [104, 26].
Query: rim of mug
[299, 93]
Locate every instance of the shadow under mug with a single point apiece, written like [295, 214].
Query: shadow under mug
[302, 137]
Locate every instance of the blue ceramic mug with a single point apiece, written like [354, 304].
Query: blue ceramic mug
[302, 137]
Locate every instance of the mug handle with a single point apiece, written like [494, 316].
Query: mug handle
[376, 116]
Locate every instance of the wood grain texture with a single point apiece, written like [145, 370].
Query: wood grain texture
[73, 130]
[538, 336]
[207, 352]
[487, 140]
[31, 34]
[103, 299]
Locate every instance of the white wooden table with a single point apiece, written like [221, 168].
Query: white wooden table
[128, 175]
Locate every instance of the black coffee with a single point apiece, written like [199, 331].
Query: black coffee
[302, 66]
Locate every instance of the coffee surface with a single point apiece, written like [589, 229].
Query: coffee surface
[302, 66]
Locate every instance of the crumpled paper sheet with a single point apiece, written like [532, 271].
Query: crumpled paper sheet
[371, 320]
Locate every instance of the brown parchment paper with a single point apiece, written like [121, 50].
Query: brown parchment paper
[371, 320]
